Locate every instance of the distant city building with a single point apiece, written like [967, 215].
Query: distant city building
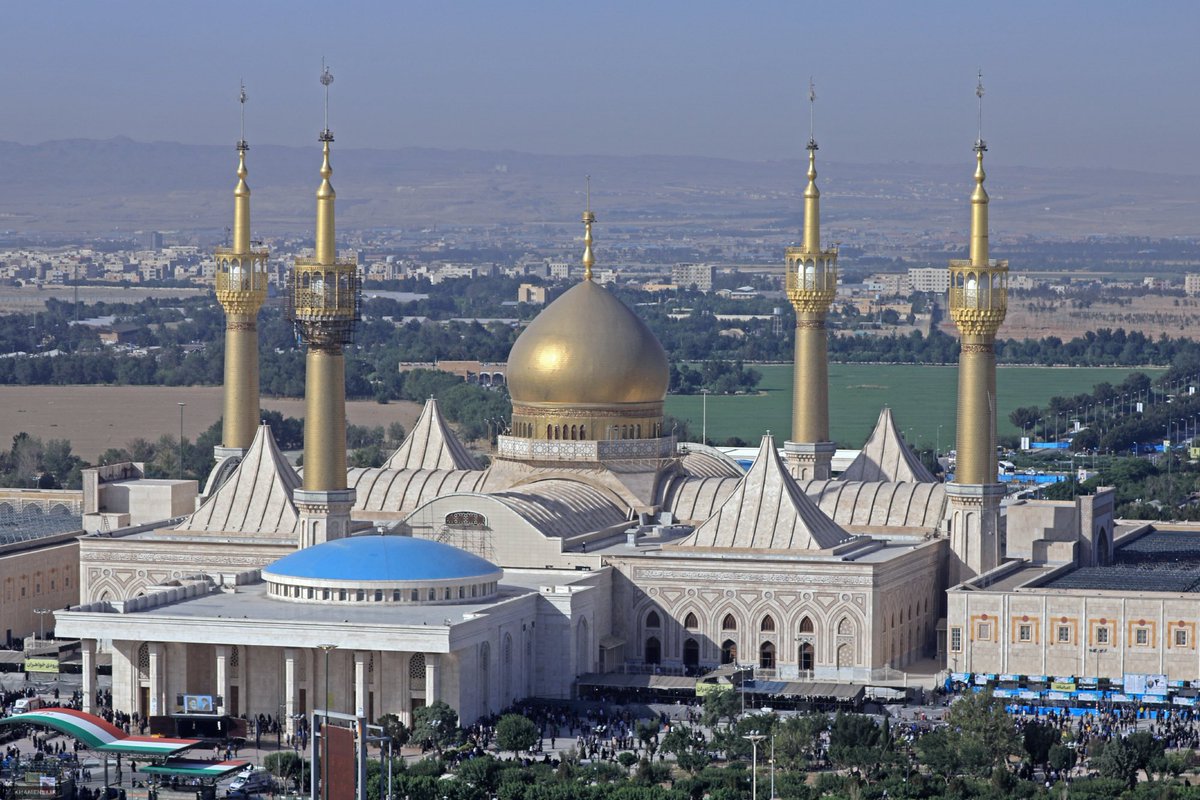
[697, 275]
[559, 269]
[889, 284]
[484, 373]
[929, 279]
[1191, 284]
[529, 293]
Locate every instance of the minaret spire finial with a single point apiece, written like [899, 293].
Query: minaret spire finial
[326, 79]
[588, 219]
[812, 102]
[242, 100]
[980, 144]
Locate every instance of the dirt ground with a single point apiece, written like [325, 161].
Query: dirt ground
[1035, 318]
[95, 418]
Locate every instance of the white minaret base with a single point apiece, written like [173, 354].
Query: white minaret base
[324, 515]
[977, 531]
[810, 461]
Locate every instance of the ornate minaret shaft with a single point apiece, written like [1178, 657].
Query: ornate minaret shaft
[325, 309]
[811, 286]
[978, 303]
[241, 281]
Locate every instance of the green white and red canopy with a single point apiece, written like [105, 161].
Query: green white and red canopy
[98, 734]
[190, 767]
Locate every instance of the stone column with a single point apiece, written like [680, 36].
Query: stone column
[433, 678]
[158, 696]
[360, 684]
[89, 675]
[289, 691]
[223, 678]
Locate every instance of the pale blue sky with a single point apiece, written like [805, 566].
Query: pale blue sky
[1099, 84]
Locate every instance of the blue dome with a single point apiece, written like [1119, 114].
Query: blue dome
[382, 558]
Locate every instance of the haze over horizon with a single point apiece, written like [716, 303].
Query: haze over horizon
[1069, 84]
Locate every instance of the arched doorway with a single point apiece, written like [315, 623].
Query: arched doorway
[728, 652]
[766, 656]
[653, 651]
[691, 654]
[807, 657]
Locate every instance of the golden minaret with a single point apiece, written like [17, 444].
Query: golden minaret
[324, 301]
[811, 286]
[978, 304]
[241, 284]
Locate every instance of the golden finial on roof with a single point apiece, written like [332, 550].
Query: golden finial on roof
[326, 79]
[588, 219]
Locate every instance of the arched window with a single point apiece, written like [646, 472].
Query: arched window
[466, 519]
[416, 668]
[728, 651]
[767, 624]
[690, 622]
[549, 431]
[766, 656]
[729, 623]
[652, 620]
[845, 627]
[806, 625]
[653, 651]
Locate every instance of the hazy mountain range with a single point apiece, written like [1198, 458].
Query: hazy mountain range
[120, 185]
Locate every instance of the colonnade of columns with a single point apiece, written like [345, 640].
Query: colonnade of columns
[369, 683]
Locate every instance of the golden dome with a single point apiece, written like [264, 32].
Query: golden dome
[587, 348]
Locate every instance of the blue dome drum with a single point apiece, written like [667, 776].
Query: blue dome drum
[384, 570]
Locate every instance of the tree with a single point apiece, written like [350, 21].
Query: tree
[1039, 738]
[394, 728]
[987, 734]
[1118, 761]
[722, 704]
[435, 725]
[855, 740]
[515, 732]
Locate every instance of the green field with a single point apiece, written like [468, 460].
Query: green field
[922, 398]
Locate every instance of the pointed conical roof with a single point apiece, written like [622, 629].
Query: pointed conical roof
[257, 498]
[887, 458]
[431, 444]
[768, 511]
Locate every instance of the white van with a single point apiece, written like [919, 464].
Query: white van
[28, 704]
[248, 783]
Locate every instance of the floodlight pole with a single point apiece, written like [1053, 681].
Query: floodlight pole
[41, 612]
[754, 737]
[325, 648]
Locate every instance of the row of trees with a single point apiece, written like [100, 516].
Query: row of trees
[980, 751]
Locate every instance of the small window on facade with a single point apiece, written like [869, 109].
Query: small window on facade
[433, 594]
[1025, 633]
[690, 622]
[324, 594]
[956, 640]
[729, 623]
[1181, 636]
[1141, 636]
[1064, 634]
[342, 594]
[414, 596]
[361, 595]
[446, 593]
[652, 620]
[984, 632]
[379, 595]
[396, 596]
[462, 592]
[310, 593]
[474, 590]
[768, 623]
[1102, 634]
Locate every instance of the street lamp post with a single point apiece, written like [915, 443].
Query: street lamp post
[754, 737]
[704, 416]
[179, 468]
[325, 648]
[41, 612]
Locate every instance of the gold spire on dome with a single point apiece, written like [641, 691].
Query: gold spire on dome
[325, 241]
[588, 219]
[241, 193]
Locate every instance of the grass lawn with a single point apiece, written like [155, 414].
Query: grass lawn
[922, 399]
